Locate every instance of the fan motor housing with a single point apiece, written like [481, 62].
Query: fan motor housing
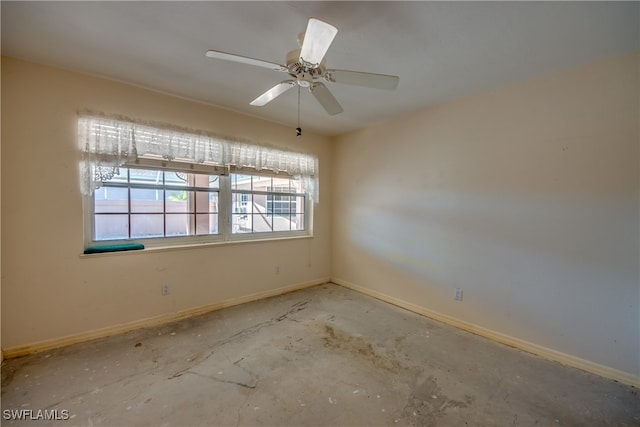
[301, 71]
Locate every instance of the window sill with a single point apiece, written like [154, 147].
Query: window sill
[153, 249]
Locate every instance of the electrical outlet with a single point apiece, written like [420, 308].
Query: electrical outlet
[458, 294]
[165, 289]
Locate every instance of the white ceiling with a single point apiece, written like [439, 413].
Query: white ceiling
[440, 50]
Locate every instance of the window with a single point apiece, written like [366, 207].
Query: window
[164, 207]
[145, 203]
[159, 184]
[265, 204]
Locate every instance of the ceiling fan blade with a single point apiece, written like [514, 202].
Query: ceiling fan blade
[358, 78]
[245, 60]
[326, 99]
[317, 39]
[273, 93]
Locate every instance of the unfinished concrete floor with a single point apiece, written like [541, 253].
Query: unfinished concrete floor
[322, 356]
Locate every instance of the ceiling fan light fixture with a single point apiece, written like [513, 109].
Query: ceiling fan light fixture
[304, 80]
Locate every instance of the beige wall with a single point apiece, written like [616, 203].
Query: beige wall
[525, 197]
[48, 290]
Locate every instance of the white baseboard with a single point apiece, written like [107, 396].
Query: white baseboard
[50, 344]
[547, 353]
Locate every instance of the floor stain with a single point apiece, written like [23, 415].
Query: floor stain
[16, 368]
[240, 335]
[8, 374]
[299, 306]
[336, 339]
[426, 403]
[238, 383]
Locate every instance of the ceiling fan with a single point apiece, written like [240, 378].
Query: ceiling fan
[307, 65]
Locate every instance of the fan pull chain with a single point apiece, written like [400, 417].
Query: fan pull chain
[298, 129]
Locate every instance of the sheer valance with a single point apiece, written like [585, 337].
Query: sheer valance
[108, 143]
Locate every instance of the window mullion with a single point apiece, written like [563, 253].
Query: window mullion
[129, 202]
[164, 205]
[225, 206]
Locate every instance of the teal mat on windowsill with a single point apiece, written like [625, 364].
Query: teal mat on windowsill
[113, 248]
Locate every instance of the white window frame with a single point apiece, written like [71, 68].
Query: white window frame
[224, 235]
[308, 206]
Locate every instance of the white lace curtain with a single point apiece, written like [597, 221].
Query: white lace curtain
[108, 143]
